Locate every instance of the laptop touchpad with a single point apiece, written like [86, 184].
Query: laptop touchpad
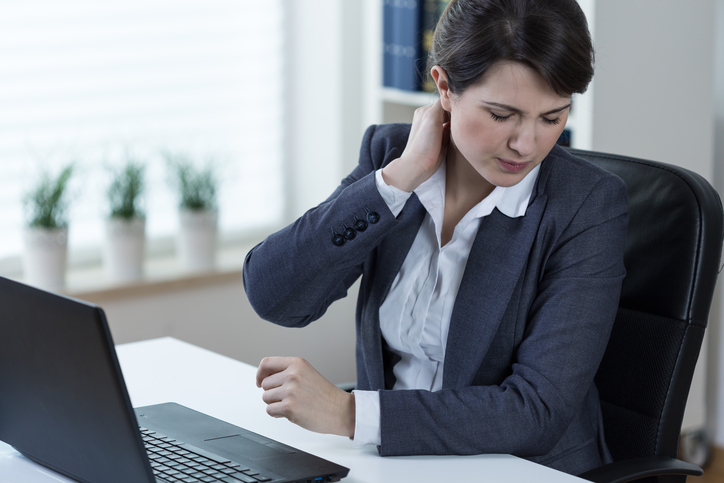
[239, 445]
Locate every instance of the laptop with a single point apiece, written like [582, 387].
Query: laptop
[64, 404]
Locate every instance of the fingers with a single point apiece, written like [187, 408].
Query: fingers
[278, 371]
[272, 365]
[273, 395]
[277, 410]
[273, 376]
[425, 149]
[445, 140]
[433, 114]
[293, 389]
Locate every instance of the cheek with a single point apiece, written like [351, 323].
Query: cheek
[549, 139]
[477, 132]
[552, 133]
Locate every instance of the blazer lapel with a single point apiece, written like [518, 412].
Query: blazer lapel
[496, 262]
[393, 250]
[391, 254]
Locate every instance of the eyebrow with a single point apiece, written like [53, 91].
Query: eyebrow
[516, 110]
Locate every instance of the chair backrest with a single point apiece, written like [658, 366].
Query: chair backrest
[672, 257]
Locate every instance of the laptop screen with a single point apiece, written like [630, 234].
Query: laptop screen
[63, 402]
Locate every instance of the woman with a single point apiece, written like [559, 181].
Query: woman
[491, 259]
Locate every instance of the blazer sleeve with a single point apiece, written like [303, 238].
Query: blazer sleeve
[293, 276]
[568, 325]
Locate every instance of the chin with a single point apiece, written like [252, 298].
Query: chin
[507, 180]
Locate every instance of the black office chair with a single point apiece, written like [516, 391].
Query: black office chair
[672, 258]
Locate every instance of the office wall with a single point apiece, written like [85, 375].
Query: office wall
[324, 85]
[218, 317]
[654, 98]
[314, 98]
[654, 80]
[715, 379]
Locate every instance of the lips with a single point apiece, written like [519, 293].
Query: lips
[511, 166]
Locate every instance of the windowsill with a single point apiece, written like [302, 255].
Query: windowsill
[162, 273]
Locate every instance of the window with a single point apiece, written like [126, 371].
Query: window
[93, 82]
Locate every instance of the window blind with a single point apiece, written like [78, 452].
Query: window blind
[95, 83]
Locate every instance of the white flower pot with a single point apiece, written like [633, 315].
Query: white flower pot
[124, 248]
[196, 242]
[45, 257]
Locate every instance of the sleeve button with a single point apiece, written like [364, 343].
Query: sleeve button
[338, 239]
[373, 217]
[349, 233]
[359, 224]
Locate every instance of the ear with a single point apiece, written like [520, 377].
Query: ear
[440, 77]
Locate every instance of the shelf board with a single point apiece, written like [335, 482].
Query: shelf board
[407, 98]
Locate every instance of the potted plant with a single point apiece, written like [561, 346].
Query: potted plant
[198, 215]
[124, 249]
[46, 232]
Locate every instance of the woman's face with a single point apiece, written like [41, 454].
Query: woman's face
[507, 123]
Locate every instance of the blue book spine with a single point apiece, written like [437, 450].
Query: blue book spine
[428, 21]
[407, 40]
[565, 138]
[388, 43]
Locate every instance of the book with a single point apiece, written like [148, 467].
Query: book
[407, 34]
[565, 138]
[401, 43]
[432, 10]
[388, 28]
[407, 30]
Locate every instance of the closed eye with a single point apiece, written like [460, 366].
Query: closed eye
[552, 122]
[499, 118]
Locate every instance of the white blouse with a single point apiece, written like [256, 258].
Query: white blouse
[415, 316]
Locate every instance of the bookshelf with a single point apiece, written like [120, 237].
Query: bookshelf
[399, 106]
[406, 98]
[394, 105]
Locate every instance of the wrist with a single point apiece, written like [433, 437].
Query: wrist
[347, 416]
[399, 175]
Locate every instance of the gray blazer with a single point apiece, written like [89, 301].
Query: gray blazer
[530, 323]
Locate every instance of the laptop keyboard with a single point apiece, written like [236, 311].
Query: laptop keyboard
[173, 461]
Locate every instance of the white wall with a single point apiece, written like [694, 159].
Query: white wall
[314, 96]
[716, 357]
[654, 81]
[324, 79]
[654, 99]
[218, 317]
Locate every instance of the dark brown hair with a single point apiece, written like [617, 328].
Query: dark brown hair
[551, 36]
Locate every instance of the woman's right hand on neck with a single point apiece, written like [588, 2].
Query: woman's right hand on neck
[425, 150]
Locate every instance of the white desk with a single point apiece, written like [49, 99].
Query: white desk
[225, 388]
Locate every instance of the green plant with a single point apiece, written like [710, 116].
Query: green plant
[196, 185]
[46, 204]
[125, 190]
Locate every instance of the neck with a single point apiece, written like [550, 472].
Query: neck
[464, 188]
[463, 184]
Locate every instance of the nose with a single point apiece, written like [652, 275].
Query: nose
[522, 140]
